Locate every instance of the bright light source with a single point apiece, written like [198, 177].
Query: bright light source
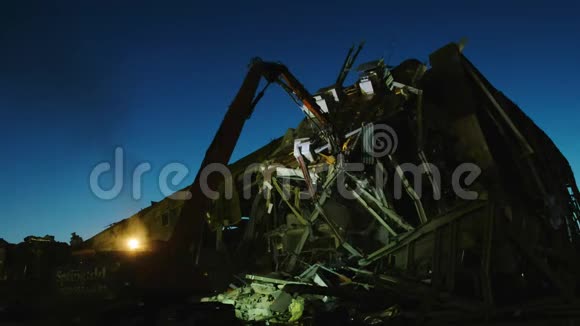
[133, 244]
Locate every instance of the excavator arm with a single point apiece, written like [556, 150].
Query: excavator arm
[189, 227]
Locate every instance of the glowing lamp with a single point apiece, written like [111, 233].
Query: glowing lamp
[133, 244]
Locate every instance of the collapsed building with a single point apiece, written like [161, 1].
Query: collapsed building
[419, 193]
[432, 193]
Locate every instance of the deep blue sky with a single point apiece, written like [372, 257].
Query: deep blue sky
[78, 78]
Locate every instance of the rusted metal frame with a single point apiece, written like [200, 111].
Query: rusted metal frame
[341, 241]
[329, 222]
[306, 174]
[373, 213]
[410, 191]
[391, 214]
[347, 65]
[378, 189]
[352, 250]
[325, 194]
[306, 223]
[429, 172]
[285, 199]
[429, 227]
[271, 280]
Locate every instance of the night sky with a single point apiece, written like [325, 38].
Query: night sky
[79, 78]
